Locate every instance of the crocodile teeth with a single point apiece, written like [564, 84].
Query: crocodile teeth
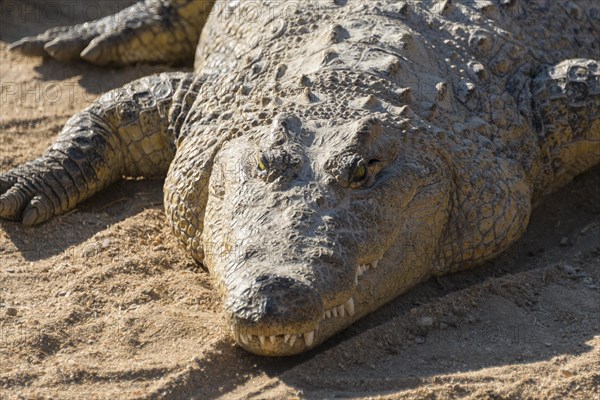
[286, 337]
[243, 338]
[272, 338]
[349, 306]
[262, 340]
[340, 311]
[309, 338]
[360, 270]
[293, 340]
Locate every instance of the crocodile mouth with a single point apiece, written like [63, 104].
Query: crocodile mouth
[293, 342]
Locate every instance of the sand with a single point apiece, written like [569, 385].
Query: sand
[103, 303]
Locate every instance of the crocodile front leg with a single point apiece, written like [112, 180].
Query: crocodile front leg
[125, 132]
[151, 31]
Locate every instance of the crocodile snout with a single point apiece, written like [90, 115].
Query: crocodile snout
[270, 313]
[275, 302]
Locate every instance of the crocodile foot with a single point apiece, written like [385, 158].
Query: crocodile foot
[37, 191]
[152, 31]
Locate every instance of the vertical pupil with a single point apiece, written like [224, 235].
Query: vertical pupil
[360, 172]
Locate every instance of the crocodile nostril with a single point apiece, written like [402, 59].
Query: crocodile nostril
[275, 302]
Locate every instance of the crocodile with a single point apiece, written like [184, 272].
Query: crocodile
[326, 156]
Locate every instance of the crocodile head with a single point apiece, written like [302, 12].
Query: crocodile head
[310, 225]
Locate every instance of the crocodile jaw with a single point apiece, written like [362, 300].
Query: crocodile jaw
[292, 341]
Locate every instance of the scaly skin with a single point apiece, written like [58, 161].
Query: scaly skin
[151, 31]
[329, 158]
[125, 132]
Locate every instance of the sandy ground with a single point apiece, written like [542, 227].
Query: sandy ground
[102, 302]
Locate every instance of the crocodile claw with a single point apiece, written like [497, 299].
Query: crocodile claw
[143, 32]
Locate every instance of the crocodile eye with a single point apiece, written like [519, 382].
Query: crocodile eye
[262, 165]
[358, 174]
